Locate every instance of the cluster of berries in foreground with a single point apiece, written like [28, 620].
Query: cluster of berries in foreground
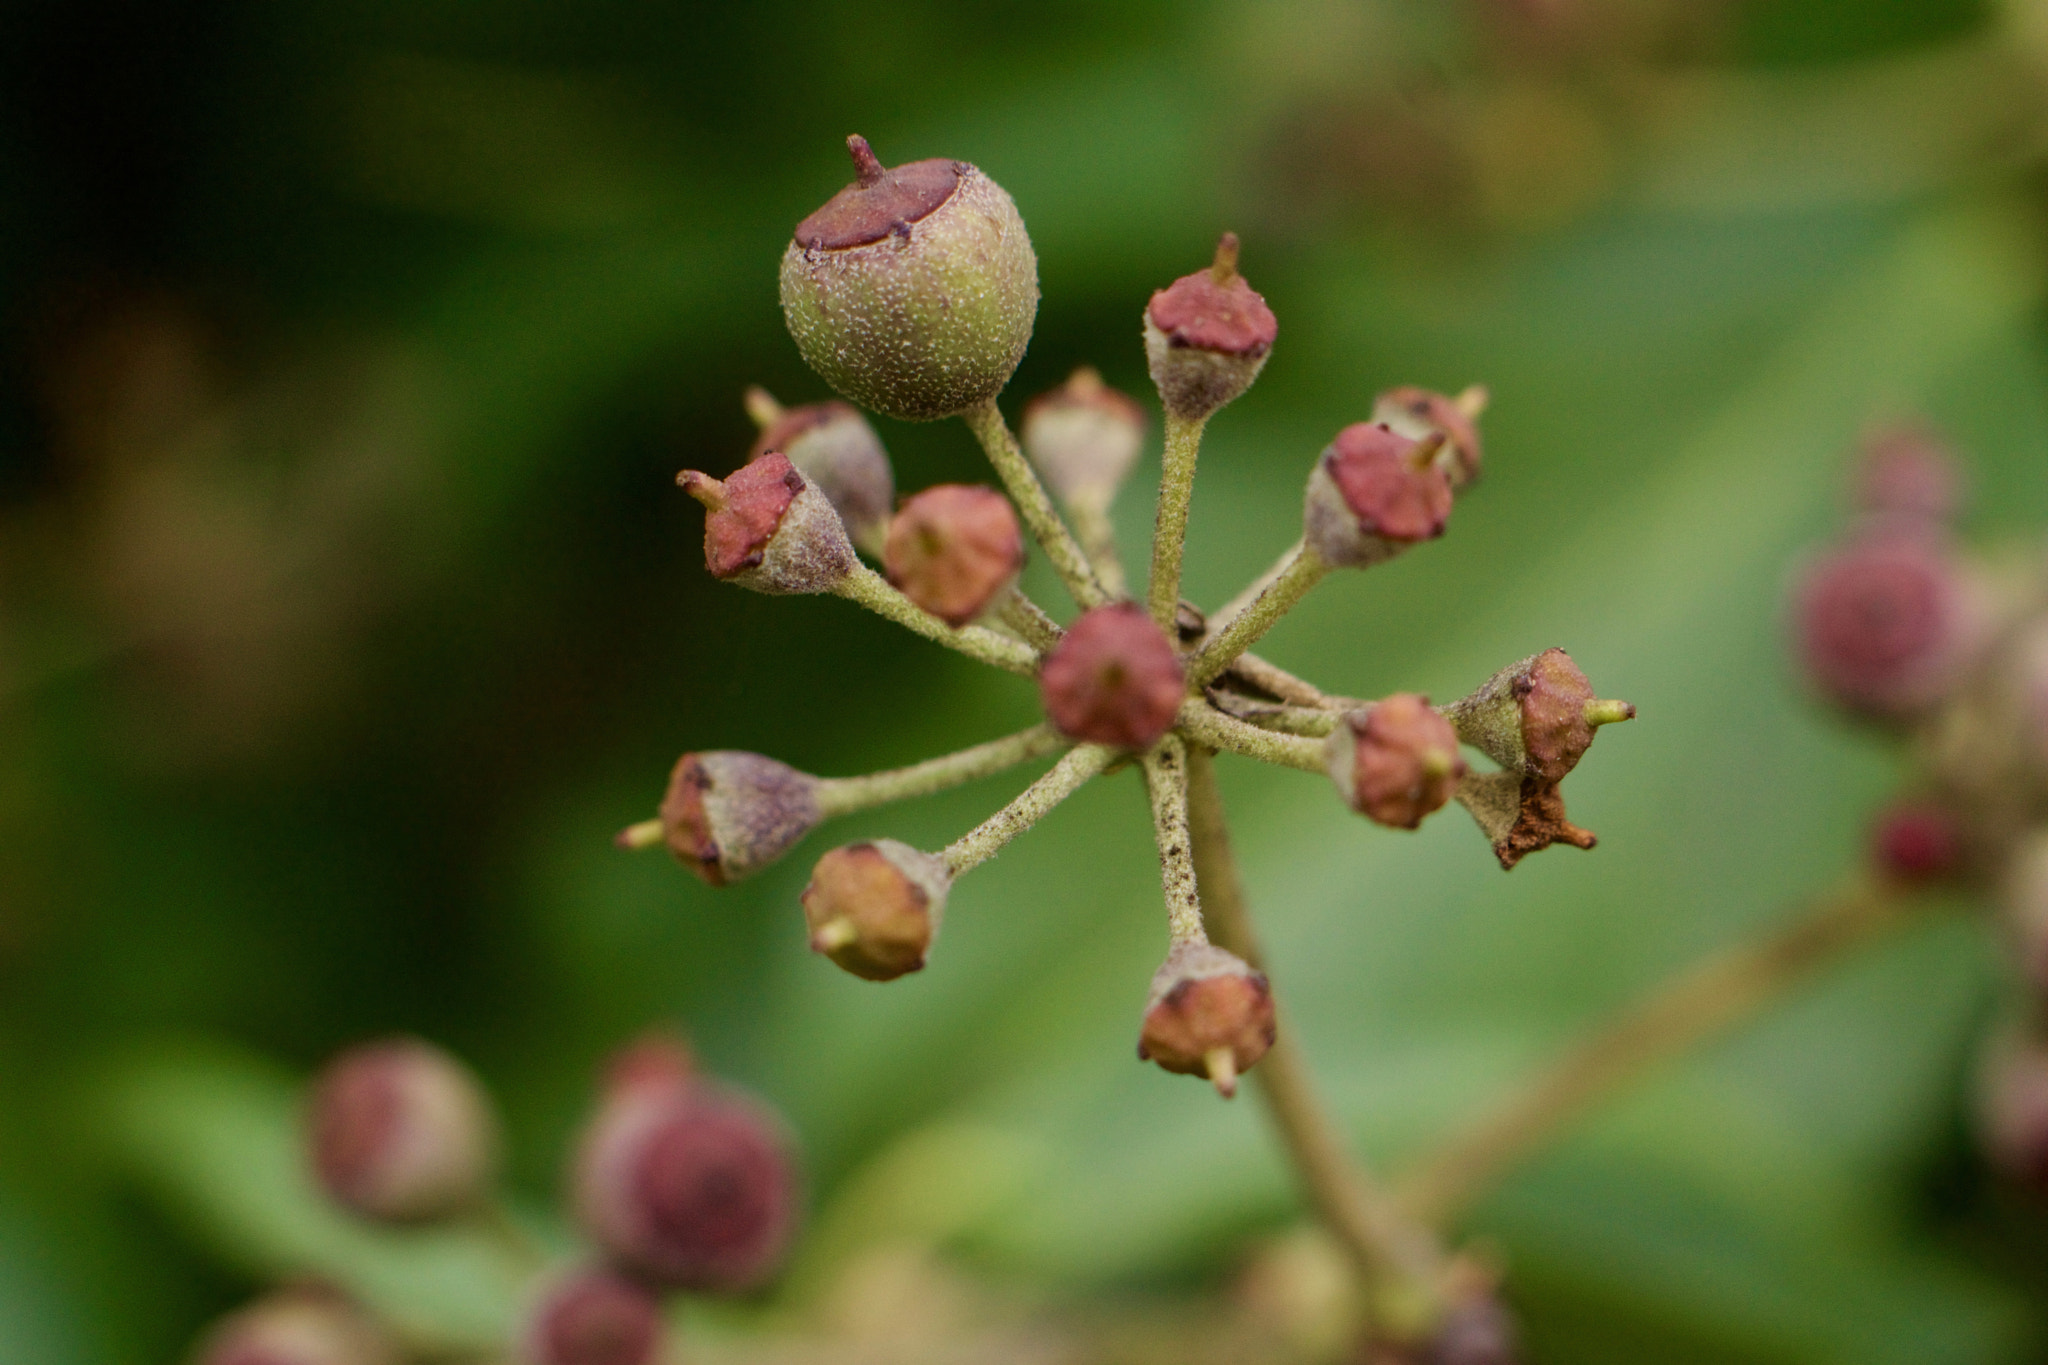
[678, 1183]
[912, 292]
[1946, 652]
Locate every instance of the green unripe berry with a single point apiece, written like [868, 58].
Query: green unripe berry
[912, 292]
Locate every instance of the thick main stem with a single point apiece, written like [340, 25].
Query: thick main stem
[1166, 782]
[843, 795]
[1385, 1246]
[1043, 519]
[986, 839]
[879, 596]
[1170, 524]
[1692, 1006]
[1301, 570]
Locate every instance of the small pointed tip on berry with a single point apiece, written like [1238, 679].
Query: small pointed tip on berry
[1085, 381]
[833, 935]
[702, 487]
[866, 164]
[1438, 764]
[1423, 453]
[1474, 400]
[1224, 268]
[761, 406]
[1222, 1065]
[1599, 713]
[644, 834]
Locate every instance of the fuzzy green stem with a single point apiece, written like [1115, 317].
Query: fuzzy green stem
[1277, 716]
[1204, 724]
[1029, 620]
[875, 592]
[1398, 1258]
[1170, 526]
[1698, 1002]
[1166, 782]
[1302, 569]
[843, 795]
[1277, 681]
[1097, 534]
[1051, 533]
[986, 839]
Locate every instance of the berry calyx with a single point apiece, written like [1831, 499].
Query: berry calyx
[401, 1132]
[874, 908]
[1373, 494]
[728, 813]
[1113, 679]
[836, 449]
[953, 550]
[770, 528]
[1395, 761]
[1209, 1015]
[1207, 336]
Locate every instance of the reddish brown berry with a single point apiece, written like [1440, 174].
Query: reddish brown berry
[1884, 625]
[401, 1131]
[1535, 717]
[1419, 414]
[1209, 1015]
[954, 550]
[297, 1327]
[913, 290]
[1908, 472]
[1207, 336]
[1915, 842]
[835, 448]
[1113, 679]
[728, 813]
[1395, 761]
[874, 908]
[593, 1317]
[692, 1188]
[1373, 494]
[770, 528]
[1083, 437]
[2013, 1106]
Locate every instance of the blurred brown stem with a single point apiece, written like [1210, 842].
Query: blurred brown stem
[1700, 1001]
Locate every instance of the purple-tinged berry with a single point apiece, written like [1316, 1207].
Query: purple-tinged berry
[1207, 336]
[297, 1327]
[688, 1188]
[835, 448]
[1113, 679]
[1914, 843]
[1083, 437]
[729, 813]
[1373, 494]
[1420, 414]
[401, 1132]
[770, 528]
[1395, 761]
[2013, 1106]
[874, 908]
[1209, 1015]
[913, 290]
[594, 1317]
[954, 549]
[1885, 624]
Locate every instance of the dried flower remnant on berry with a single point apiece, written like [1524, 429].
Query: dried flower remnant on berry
[953, 550]
[770, 529]
[728, 813]
[1207, 336]
[1373, 494]
[1913, 843]
[401, 1132]
[1209, 1015]
[1420, 414]
[594, 1317]
[1395, 761]
[874, 908]
[688, 1189]
[1083, 437]
[1114, 679]
[2013, 1106]
[298, 1327]
[1884, 624]
[835, 448]
[913, 290]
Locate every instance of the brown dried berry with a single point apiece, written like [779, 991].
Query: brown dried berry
[728, 813]
[1519, 815]
[690, 1188]
[770, 528]
[1083, 437]
[594, 1317]
[1113, 679]
[1885, 625]
[1373, 494]
[913, 290]
[298, 1327]
[401, 1132]
[1207, 336]
[953, 550]
[835, 448]
[1395, 761]
[1209, 1015]
[1419, 414]
[874, 908]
